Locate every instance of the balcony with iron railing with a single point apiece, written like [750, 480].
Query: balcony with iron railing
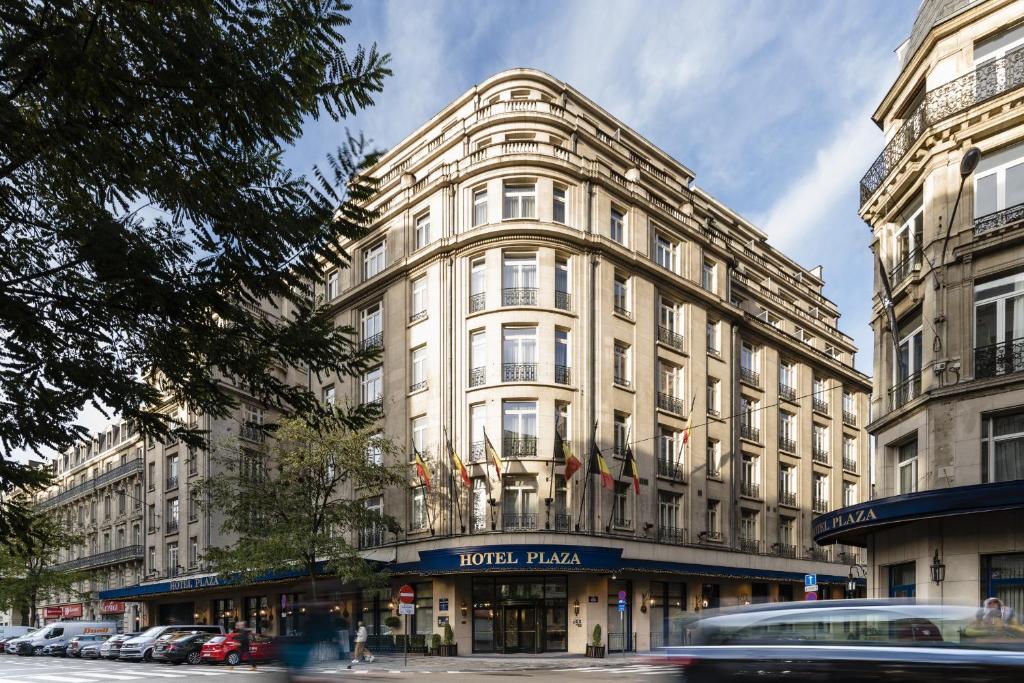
[670, 469]
[1004, 358]
[134, 466]
[672, 535]
[819, 505]
[562, 374]
[750, 376]
[519, 521]
[516, 446]
[477, 377]
[418, 316]
[128, 553]
[477, 452]
[375, 341]
[477, 302]
[671, 338]
[787, 445]
[670, 403]
[171, 482]
[519, 372]
[750, 432]
[849, 464]
[172, 526]
[998, 219]
[819, 405]
[563, 522]
[372, 537]
[787, 498]
[750, 489]
[622, 310]
[519, 296]
[820, 455]
[905, 391]
[252, 432]
[563, 300]
[784, 550]
[986, 82]
[787, 392]
[621, 381]
[418, 386]
[849, 418]
[713, 536]
[749, 545]
[819, 554]
[906, 265]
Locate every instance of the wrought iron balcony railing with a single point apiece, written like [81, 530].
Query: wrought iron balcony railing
[563, 375]
[171, 483]
[672, 535]
[622, 310]
[251, 432]
[371, 537]
[819, 505]
[519, 372]
[519, 521]
[715, 536]
[519, 296]
[418, 315]
[516, 446]
[750, 376]
[849, 418]
[849, 464]
[750, 432]
[784, 550]
[750, 489]
[986, 82]
[902, 269]
[1003, 358]
[820, 455]
[819, 554]
[172, 526]
[375, 341]
[998, 219]
[134, 466]
[477, 302]
[477, 452]
[787, 445]
[621, 381]
[671, 469]
[714, 472]
[787, 392]
[670, 403]
[563, 522]
[787, 498]
[418, 386]
[563, 300]
[477, 377]
[749, 545]
[907, 390]
[671, 338]
[819, 405]
[128, 553]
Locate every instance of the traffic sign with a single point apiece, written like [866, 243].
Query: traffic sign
[810, 596]
[622, 607]
[406, 608]
[810, 589]
[406, 594]
[622, 596]
[810, 580]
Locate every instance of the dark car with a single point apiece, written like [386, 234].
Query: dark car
[74, 648]
[849, 641]
[181, 647]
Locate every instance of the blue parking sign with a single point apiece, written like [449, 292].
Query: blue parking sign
[810, 580]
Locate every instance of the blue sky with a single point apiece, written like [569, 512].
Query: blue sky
[768, 101]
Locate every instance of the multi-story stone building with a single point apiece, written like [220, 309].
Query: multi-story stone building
[948, 400]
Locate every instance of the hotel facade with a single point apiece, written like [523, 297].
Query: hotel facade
[948, 402]
[537, 267]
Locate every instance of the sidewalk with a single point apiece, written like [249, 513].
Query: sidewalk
[486, 663]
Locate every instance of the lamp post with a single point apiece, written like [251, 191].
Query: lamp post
[938, 568]
[967, 166]
[856, 572]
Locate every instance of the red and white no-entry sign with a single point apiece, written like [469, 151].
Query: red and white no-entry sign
[406, 594]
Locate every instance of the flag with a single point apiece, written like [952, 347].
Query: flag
[689, 418]
[458, 466]
[492, 455]
[572, 463]
[597, 463]
[630, 467]
[421, 469]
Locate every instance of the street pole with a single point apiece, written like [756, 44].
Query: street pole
[622, 630]
[406, 641]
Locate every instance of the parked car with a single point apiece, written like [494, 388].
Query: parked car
[225, 649]
[181, 647]
[91, 650]
[844, 641]
[74, 648]
[58, 649]
[11, 646]
[141, 646]
[60, 633]
[111, 648]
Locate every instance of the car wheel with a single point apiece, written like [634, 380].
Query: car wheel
[38, 651]
[147, 656]
[234, 658]
[195, 657]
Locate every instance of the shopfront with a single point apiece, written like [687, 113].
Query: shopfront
[514, 614]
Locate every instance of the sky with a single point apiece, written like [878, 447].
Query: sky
[768, 101]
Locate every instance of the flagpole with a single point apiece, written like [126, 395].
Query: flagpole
[551, 481]
[451, 475]
[622, 466]
[590, 472]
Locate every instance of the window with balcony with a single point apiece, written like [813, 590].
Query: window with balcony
[480, 503]
[172, 559]
[562, 299]
[713, 397]
[713, 345]
[787, 537]
[787, 432]
[418, 431]
[372, 534]
[849, 409]
[374, 452]
[558, 204]
[907, 371]
[670, 387]
[666, 252]
[620, 433]
[519, 421]
[519, 280]
[750, 363]
[418, 303]
[372, 389]
[422, 230]
[193, 552]
[418, 509]
[371, 326]
[999, 188]
[820, 443]
[998, 326]
[709, 276]
[520, 200]
[374, 258]
[714, 459]
[907, 243]
[519, 503]
[819, 490]
[172, 515]
[670, 528]
[819, 389]
[1002, 447]
[787, 485]
[477, 285]
[622, 510]
[749, 534]
[670, 452]
[519, 354]
[713, 520]
[617, 225]
[172, 473]
[477, 422]
[331, 288]
[750, 476]
[562, 374]
[849, 453]
[849, 493]
[750, 419]
[562, 424]
[620, 364]
[620, 293]
[477, 358]
[479, 207]
[418, 365]
[193, 505]
[670, 323]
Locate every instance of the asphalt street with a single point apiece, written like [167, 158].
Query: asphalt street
[15, 669]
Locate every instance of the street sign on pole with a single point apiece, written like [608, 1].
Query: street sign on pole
[406, 594]
[810, 580]
[622, 596]
[406, 608]
[809, 595]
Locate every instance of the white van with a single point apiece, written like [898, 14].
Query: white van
[61, 632]
[14, 631]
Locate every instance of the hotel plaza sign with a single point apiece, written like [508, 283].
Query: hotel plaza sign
[519, 558]
[844, 518]
[196, 583]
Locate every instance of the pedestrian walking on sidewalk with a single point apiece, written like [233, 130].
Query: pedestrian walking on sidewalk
[242, 638]
[361, 649]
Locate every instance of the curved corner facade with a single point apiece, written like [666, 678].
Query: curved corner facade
[948, 400]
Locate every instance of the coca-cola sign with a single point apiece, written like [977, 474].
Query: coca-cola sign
[71, 611]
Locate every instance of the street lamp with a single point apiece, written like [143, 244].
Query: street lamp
[856, 571]
[938, 569]
[967, 166]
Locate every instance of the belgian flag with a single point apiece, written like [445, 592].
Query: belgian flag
[458, 466]
[421, 469]
[572, 463]
[598, 464]
[630, 467]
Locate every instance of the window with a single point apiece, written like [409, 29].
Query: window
[849, 493]
[906, 467]
[907, 242]
[622, 514]
[372, 324]
[519, 353]
[152, 558]
[849, 453]
[712, 397]
[787, 484]
[479, 511]
[373, 260]
[137, 491]
[519, 420]
[714, 458]
[620, 433]
[172, 559]
[419, 436]
[787, 535]
[819, 387]
[419, 298]
[665, 251]
[558, 204]
[520, 200]
[748, 525]
[479, 207]
[620, 364]
[477, 357]
[670, 379]
[620, 292]
[669, 505]
[122, 501]
[151, 475]
[708, 276]
[714, 519]
[136, 534]
[787, 431]
[1002, 447]
[332, 285]
[998, 327]
[193, 552]
[328, 395]
[670, 315]
[193, 505]
[106, 507]
[561, 283]
[519, 499]
[819, 486]
[999, 181]
[172, 514]
[561, 356]
[670, 445]
[477, 421]
[373, 385]
[712, 337]
[418, 512]
[750, 413]
[787, 380]
[749, 358]
[374, 452]
[520, 280]
[418, 361]
[849, 406]
[562, 423]
[477, 284]
[617, 226]
[819, 439]
[422, 230]
[750, 473]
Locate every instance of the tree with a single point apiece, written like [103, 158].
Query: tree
[296, 504]
[28, 576]
[147, 214]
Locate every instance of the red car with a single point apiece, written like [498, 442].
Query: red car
[224, 649]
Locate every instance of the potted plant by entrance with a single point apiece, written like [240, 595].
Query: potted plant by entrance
[435, 644]
[449, 648]
[595, 648]
[393, 623]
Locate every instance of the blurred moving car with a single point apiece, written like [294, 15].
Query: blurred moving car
[111, 648]
[845, 641]
[74, 648]
[181, 647]
[224, 649]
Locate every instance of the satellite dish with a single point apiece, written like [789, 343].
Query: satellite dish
[970, 162]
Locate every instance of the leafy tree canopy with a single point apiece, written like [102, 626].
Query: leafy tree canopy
[147, 215]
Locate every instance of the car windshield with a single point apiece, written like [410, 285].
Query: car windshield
[152, 632]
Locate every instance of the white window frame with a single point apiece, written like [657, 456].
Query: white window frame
[374, 259]
[787, 425]
[519, 200]
[418, 364]
[713, 394]
[712, 336]
[617, 225]
[559, 198]
[750, 357]
[519, 345]
[670, 315]
[421, 231]
[372, 385]
[479, 198]
[620, 362]
[620, 292]
[519, 418]
[820, 437]
[371, 320]
[477, 349]
[709, 275]
[331, 287]
[849, 493]
[819, 485]
[419, 295]
[418, 520]
[910, 463]
[666, 252]
[478, 276]
[787, 479]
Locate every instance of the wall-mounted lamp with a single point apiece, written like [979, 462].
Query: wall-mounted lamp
[938, 569]
[644, 599]
[576, 607]
[195, 615]
[463, 608]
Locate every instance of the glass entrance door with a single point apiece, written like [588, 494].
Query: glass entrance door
[520, 629]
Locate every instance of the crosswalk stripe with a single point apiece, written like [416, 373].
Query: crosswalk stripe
[63, 678]
[13, 680]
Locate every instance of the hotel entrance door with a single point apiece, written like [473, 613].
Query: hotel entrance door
[519, 624]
